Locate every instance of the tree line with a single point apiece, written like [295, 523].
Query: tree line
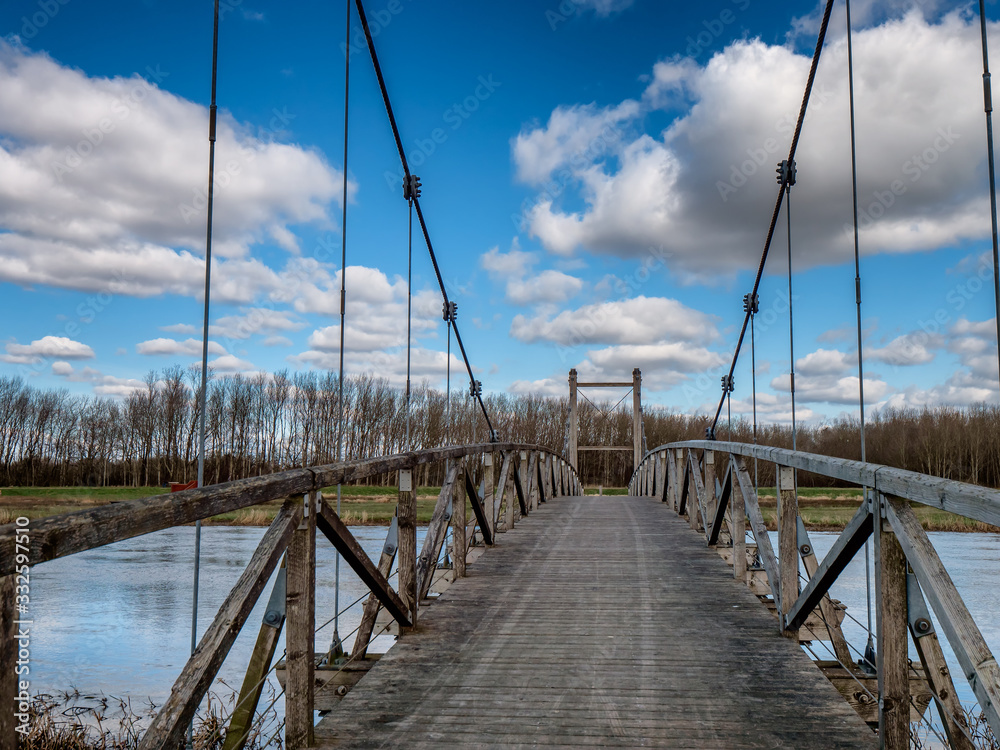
[266, 423]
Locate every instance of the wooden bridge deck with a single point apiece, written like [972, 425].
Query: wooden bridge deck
[600, 622]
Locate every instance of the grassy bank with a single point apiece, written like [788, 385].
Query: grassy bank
[822, 509]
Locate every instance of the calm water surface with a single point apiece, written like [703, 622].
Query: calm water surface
[117, 620]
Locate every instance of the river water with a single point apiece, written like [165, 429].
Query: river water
[117, 620]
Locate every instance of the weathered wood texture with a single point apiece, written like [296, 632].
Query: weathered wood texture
[68, 533]
[354, 555]
[171, 722]
[971, 650]
[300, 631]
[458, 537]
[436, 532]
[370, 612]
[981, 503]
[602, 623]
[893, 672]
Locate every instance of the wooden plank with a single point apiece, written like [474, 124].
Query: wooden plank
[759, 529]
[363, 639]
[622, 384]
[505, 494]
[788, 548]
[241, 722]
[406, 514]
[721, 507]
[807, 554]
[851, 539]
[328, 522]
[969, 500]
[710, 499]
[543, 489]
[437, 529]
[500, 496]
[533, 481]
[170, 724]
[603, 680]
[893, 677]
[974, 656]
[665, 479]
[684, 472]
[697, 518]
[605, 448]
[936, 668]
[300, 616]
[489, 494]
[739, 522]
[478, 510]
[9, 718]
[459, 542]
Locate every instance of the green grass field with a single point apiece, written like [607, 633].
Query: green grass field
[822, 508]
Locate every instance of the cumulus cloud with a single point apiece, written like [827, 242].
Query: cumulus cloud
[526, 287]
[56, 347]
[164, 347]
[634, 321]
[705, 187]
[823, 376]
[908, 350]
[103, 185]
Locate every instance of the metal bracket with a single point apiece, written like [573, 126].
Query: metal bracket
[786, 478]
[406, 480]
[487, 459]
[917, 614]
[306, 504]
[274, 615]
[802, 537]
[392, 538]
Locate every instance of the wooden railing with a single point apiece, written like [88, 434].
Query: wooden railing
[528, 475]
[709, 483]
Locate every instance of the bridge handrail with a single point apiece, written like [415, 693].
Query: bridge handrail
[70, 533]
[530, 474]
[726, 499]
[961, 498]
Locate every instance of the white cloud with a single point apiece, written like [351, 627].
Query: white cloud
[181, 328]
[164, 347]
[103, 178]
[254, 320]
[59, 347]
[62, 368]
[228, 364]
[908, 350]
[634, 321]
[277, 341]
[605, 7]
[524, 287]
[823, 376]
[573, 137]
[705, 188]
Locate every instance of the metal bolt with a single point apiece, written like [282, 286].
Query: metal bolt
[805, 549]
[922, 625]
[271, 617]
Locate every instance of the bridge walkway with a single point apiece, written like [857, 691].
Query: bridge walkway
[597, 622]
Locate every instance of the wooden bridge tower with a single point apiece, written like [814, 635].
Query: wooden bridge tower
[574, 419]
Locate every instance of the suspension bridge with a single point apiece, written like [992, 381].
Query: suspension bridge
[535, 614]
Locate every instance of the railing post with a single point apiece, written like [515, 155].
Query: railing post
[694, 502]
[510, 493]
[300, 627]
[8, 658]
[738, 506]
[893, 677]
[488, 502]
[661, 459]
[406, 513]
[710, 498]
[458, 520]
[678, 459]
[788, 543]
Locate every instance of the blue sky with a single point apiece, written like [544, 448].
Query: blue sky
[598, 177]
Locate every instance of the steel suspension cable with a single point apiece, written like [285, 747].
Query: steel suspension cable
[988, 106]
[337, 647]
[409, 319]
[416, 201]
[870, 648]
[781, 191]
[203, 394]
[791, 329]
